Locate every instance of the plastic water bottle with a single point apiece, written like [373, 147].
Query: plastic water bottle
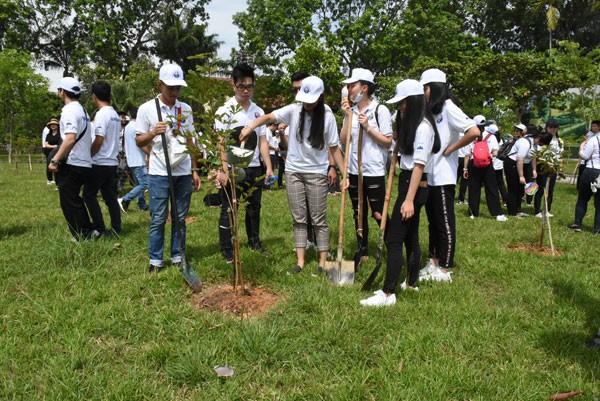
[271, 180]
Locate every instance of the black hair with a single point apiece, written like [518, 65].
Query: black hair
[317, 126]
[102, 90]
[371, 87]
[71, 95]
[544, 137]
[408, 122]
[299, 76]
[242, 71]
[595, 122]
[133, 112]
[439, 92]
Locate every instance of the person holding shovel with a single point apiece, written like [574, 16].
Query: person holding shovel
[375, 122]
[417, 141]
[312, 136]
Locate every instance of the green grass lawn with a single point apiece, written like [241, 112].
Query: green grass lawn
[87, 322]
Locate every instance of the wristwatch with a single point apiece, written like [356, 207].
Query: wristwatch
[54, 162]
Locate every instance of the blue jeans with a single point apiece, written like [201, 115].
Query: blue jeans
[159, 209]
[140, 174]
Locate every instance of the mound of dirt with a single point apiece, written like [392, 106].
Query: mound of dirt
[247, 302]
[533, 249]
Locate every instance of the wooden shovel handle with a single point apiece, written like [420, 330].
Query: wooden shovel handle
[344, 178]
[361, 198]
[388, 189]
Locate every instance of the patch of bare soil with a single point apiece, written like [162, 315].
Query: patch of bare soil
[534, 249]
[246, 303]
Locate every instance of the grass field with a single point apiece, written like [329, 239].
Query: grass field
[87, 322]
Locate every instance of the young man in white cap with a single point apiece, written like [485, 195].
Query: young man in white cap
[376, 125]
[450, 121]
[239, 111]
[479, 176]
[175, 122]
[72, 162]
[105, 148]
[136, 161]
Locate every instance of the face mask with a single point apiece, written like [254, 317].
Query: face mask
[358, 98]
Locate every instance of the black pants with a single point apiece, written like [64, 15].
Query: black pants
[404, 232]
[70, 180]
[373, 197]
[462, 189]
[479, 177]
[584, 194]
[49, 174]
[442, 224]
[501, 184]
[250, 190]
[528, 174]
[513, 186]
[103, 179]
[541, 181]
[280, 172]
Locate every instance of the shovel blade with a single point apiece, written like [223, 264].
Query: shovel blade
[190, 277]
[340, 273]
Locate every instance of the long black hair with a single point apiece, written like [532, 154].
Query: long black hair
[317, 127]
[408, 122]
[439, 92]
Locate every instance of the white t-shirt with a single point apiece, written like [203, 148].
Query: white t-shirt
[374, 156]
[523, 148]
[450, 123]
[107, 124]
[135, 156]
[230, 119]
[465, 150]
[147, 119]
[591, 152]
[423, 145]
[302, 157]
[45, 133]
[74, 120]
[497, 163]
[273, 141]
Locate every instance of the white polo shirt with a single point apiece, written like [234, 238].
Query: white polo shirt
[450, 123]
[374, 156]
[523, 148]
[147, 119]
[135, 156]
[424, 138]
[302, 157]
[74, 120]
[229, 119]
[107, 124]
[591, 152]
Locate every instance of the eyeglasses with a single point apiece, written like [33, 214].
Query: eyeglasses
[244, 87]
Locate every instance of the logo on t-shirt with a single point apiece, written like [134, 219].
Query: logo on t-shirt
[439, 119]
[420, 147]
[256, 114]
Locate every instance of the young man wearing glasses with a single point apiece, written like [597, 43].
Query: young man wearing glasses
[237, 112]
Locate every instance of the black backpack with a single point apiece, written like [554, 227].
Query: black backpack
[505, 148]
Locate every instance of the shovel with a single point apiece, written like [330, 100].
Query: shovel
[341, 272]
[359, 258]
[187, 271]
[388, 191]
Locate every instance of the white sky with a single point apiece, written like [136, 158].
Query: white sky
[220, 22]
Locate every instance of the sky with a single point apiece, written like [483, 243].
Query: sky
[220, 13]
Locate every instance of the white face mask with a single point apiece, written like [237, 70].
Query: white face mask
[358, 98]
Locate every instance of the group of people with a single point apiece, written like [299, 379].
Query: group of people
[428, 132]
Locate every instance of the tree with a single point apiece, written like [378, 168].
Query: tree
[25, 105]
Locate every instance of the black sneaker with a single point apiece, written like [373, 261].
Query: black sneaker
[317, 271]
[227, 255]
[155, 269]
[595, 342]
[123, 204]
[575, 228]
[294, 270]
[258, 248]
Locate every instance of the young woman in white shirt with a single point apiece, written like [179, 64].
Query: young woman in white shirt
[311, 137]
[418, 139]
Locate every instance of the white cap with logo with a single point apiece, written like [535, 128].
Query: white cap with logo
[432, 75]
[479, 119]
[522, 127]
[360, 74]
[70, 84]
[406, 88]
[492, 128]
[311, 88]
[171, 75]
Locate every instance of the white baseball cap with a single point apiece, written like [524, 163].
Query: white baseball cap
[171, 75]
[360, 74]
[492, 128]
[70, 84]
[521, 127]
[432, 75]
[479, 119]
[408, 87]
[311, 88]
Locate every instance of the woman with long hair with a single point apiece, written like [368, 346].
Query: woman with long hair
[417, 141]
[450, 121]
[311, 137]
[51, 142]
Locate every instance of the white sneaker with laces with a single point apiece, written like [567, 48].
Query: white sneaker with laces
[438, 275]
[379, 300]
[501, 217]
[404, 286]
[539, 215]
[428, 269]
[550, 215]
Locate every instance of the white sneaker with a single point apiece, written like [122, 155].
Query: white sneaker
[501, 217]
[550, 215]
[428, 269]
[438, 275]
[379, 300]
[539, 215]
[472, 217]
[404, 286]
[49, 182]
